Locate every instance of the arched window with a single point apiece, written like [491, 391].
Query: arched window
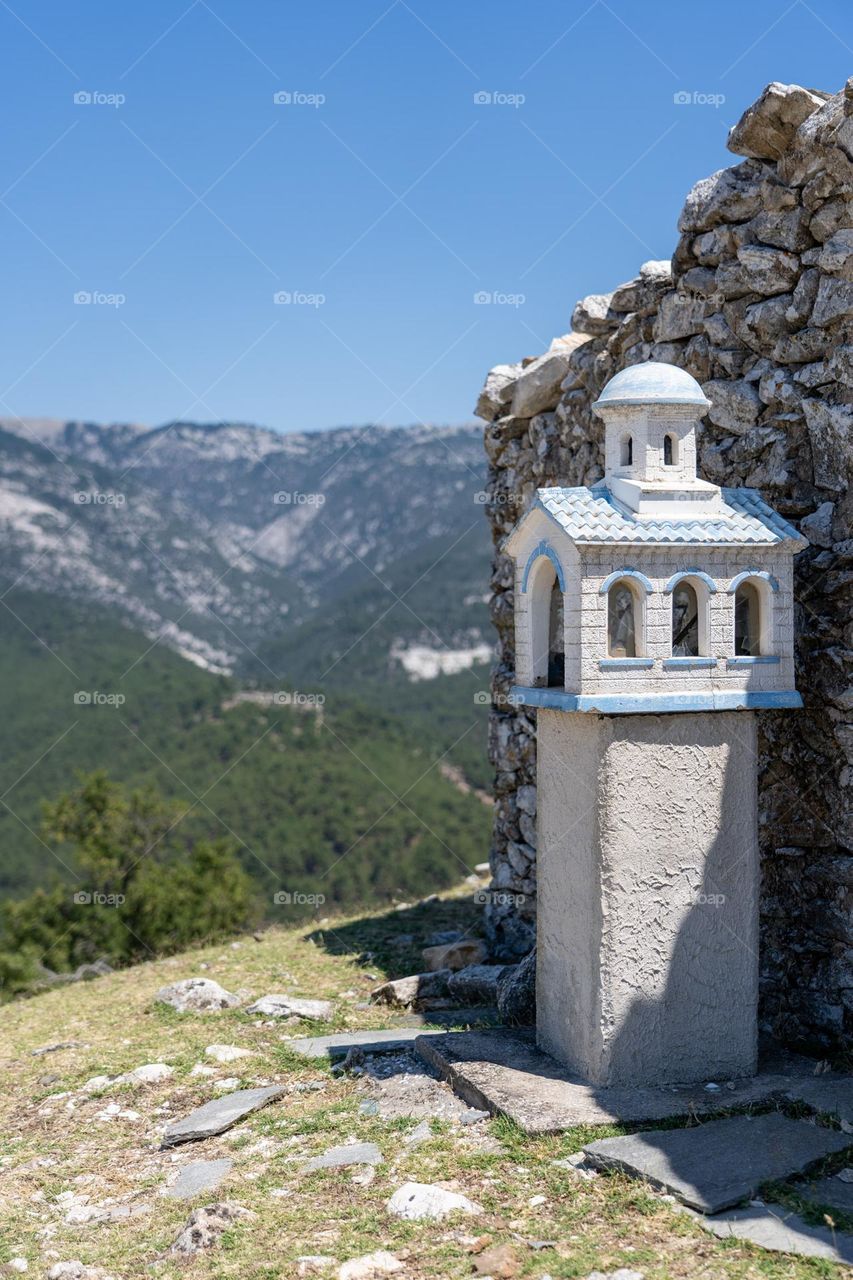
[627, 454]
[623, 616]
[556, 641]
[670, 450]
[747, 620]
[543, 583]
[685, 621]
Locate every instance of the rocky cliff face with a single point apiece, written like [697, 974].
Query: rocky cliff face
[757, 304]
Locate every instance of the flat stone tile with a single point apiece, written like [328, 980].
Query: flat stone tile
[715, 1165]
[219, 1114]
[200, 1176]
[774, 1228]
[829, 1193]
[339, 1045]
[503, 1072]
[832, 1095]
[343, 1157]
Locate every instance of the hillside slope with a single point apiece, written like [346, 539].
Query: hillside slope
[347, 799]
[84, 1177]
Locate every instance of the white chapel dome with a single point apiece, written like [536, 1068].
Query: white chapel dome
[652, 383]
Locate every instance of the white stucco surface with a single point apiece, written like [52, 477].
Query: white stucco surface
[647, 895]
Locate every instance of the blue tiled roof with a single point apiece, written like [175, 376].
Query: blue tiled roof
[592, 516]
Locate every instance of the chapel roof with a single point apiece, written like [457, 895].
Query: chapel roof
[652, 382]
[592, 516]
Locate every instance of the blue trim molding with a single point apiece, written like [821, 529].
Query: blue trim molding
[620, 704]
[543, 549]
[685, 664]
[747, 660]
[753, 573]
[609, 664]
[625, 573]
[690, 573]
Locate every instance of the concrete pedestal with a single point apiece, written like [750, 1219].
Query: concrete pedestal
[647, 930]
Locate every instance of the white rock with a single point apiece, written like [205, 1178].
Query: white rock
[282, 1006]
[624, 1273]
[226, 1052]
[149, 1073]
[75, 1270]
[370, 1265]
[538, 387]
[418, 1200]
[497, 392]
[592, 314]
[19, 1264]
[767, 127]
[196, 995]
[96, 1083]
[311, 1264]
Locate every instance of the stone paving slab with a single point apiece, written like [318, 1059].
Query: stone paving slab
[201, 1175]
[503, 1072]
[829, 1193]
[338, 1046]
[219, 1114]
[831, 1095]
[344, 1156]
[774, 1228]
[716, 1165]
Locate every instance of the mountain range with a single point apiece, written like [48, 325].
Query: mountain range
[298, 623]
[223, 541]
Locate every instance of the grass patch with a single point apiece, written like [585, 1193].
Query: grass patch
[50, 1145]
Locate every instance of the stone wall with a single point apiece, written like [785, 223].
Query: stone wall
[757, 304]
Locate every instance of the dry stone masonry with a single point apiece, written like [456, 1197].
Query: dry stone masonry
[756, 304]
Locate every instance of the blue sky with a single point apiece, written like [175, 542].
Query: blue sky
[382, 197]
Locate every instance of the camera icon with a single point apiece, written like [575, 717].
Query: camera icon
[482, 898]
[82, 298]
[481, 698]
[481, 498]
[82, 698]
[82, 98]
[82, 898]
[682, 98]
[283, 498]
[282, 98]
[482, 99]
[282, 298]
[282, 898]
[482, 298]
